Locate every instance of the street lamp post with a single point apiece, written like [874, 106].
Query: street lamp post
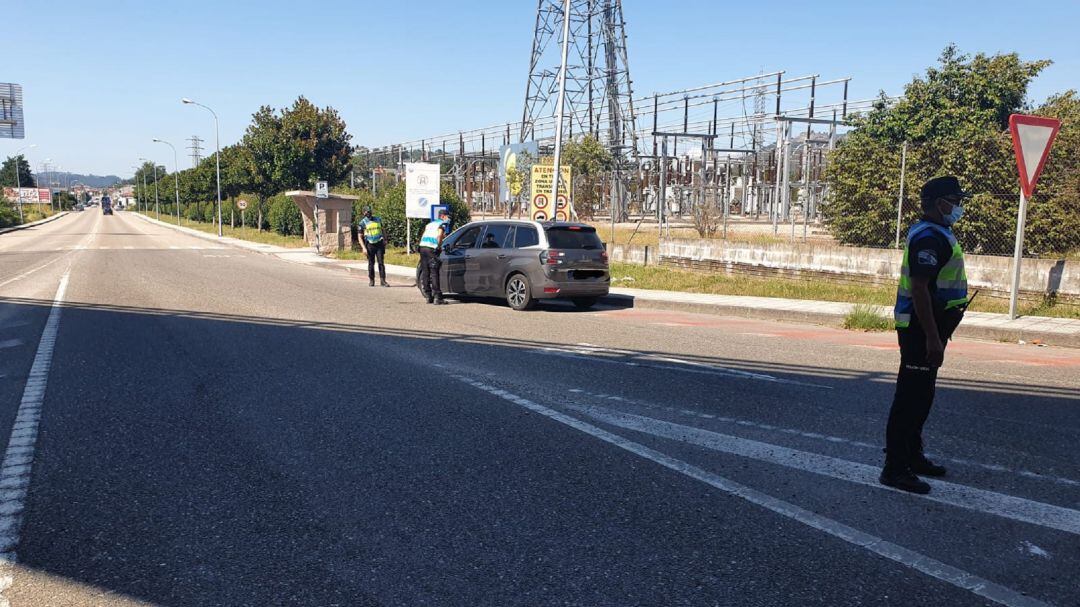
[176, 177]
[217, 156]
[18, 178]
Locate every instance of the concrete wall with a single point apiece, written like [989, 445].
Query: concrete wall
[855, 264]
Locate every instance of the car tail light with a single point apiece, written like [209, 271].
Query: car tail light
[603, 256]
[552, 257]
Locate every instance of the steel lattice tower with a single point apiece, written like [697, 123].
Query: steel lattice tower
[599, 96]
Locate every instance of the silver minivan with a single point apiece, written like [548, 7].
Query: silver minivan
[523, 261]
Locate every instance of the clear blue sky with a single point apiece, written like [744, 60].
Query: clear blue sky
[102, 79]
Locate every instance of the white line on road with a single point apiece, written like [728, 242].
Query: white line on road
[820, 437]
[653, 362]
[960, 496]
[909, 558]
[10, 343]
[19, 457]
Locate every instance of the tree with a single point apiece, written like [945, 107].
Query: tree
[590, 161]
[318, 145]
[25, 177]
[954, 121]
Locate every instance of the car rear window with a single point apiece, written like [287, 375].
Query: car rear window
[526, 237]
[573, 237]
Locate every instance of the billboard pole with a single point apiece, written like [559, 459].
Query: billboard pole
[561, 102]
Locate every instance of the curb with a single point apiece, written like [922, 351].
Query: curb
[830, 319]
[34, 223]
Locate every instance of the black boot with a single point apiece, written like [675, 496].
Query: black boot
[384, 283]
[925, 467]
[371, 282]
[903, 480]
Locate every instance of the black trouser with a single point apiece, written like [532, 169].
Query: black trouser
[914, 396]
[376, 251]
[429, 273]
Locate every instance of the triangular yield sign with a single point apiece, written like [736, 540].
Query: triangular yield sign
[1032, 137]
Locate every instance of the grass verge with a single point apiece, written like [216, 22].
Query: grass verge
[394, 256]
[673, 279]
[864, 317]
[249, 234]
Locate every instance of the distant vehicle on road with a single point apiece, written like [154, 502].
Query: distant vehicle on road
[80, 206]
[524, 261]
[106, 205]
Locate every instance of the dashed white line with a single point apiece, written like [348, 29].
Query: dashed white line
[905, 556]
[19, 457]
[10, 343]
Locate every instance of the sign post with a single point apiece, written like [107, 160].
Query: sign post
[1032, 138]
[322, 191]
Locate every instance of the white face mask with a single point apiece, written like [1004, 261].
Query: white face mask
[954, 215]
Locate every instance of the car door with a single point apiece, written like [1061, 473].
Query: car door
[456, 259]
[484, 268]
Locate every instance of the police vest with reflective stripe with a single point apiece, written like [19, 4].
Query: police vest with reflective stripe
[372, 229]
[430, 239]
[951, 280]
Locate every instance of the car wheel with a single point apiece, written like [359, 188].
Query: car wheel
[519, 293]
[584, 303]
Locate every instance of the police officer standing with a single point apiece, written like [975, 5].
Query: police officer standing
[430, 244]
[930, 302]
[371, 236]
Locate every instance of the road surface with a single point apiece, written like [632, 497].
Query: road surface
[190, 424]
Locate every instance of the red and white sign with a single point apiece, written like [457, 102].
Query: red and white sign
[29, 195]
[1032, 137]
[241, 204]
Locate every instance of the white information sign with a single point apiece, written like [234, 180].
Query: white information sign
[322, 190]
[421, 188]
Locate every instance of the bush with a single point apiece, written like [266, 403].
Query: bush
[9, 215]
[284, 216]
[865, 317]
[391, 207]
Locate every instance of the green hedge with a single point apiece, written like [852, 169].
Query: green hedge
[390, 205]
[285, 217]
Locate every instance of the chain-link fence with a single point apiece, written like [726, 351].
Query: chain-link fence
[875, 197]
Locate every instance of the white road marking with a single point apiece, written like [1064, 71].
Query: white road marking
[10, 343]
[1034, 550]
[823, 437]
[907, 557]
[961, 496]
[593, 354]
[19, 457]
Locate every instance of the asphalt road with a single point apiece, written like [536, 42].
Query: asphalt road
[190, 424]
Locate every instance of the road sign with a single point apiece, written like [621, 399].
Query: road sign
[241, 204]
[435, 208]
[542, 176]
[1032, 137]
[322, 190]
[421, 188]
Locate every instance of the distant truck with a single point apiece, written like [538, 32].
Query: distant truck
[106, 205]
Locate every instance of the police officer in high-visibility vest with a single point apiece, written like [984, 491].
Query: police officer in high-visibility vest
[430, 244]
[371, 236]
[930, 302]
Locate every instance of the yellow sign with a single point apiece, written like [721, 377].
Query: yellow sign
[543, 208]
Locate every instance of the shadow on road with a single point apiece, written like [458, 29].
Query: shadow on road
[195, 458]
